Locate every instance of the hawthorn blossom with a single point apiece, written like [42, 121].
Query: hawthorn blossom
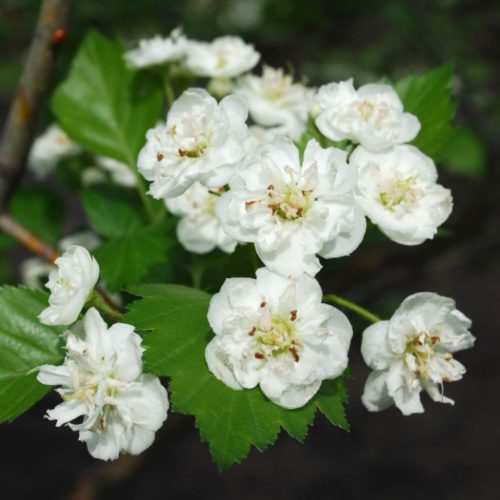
[398, 191]
[291, 211]
[118, 408]
[199, 230]
[49, 149]
[373, 115]
[275, 332]
[70, 285]
[201, 141]
[274, 100]
[119, 172]
[35, 270]
[157, 50]
[224, 57]
[413, 352]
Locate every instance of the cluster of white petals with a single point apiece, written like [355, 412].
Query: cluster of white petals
[118, 408]
[413, 352]
[199, 229]
[274, 100]
[49, 149]
[373, 115]
[224, 57]
[202, 140]
[398, 191]
[70, 285]
[158, 50]
[275, 332]
[293, 211]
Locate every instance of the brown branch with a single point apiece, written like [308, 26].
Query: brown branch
[31, 93]
[27, 239]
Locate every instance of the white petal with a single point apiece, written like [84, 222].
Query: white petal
[219, 366]
[375, 346]
[375, 396]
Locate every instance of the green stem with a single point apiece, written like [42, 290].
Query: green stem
[169, 90]
[146, 201]
[96, 300]
[347, 304]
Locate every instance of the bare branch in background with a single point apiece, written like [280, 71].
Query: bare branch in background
[31, 93]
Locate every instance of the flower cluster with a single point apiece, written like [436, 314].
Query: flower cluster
[102, 385]
[397, 184]
[101, 378]
[243, 169]
[232, 182]
[223, 58]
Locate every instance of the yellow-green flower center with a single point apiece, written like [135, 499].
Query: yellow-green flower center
[401, 191]
[290, 205]
[275, 335]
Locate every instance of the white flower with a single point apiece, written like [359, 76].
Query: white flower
[201, 141]
[120, 172]
[273, 99]
[119, 409]
[158, 50]
[398, 191]
[49, 149]
[199, 230]
[293, 212]
[372, 116]
[413, 352]
[70, 286]
[276, 333]
[224, 57]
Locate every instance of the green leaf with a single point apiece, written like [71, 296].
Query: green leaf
[24, 345]
[126, 260]
[428, 96]
[40, 210]
[465, 154]
[98, 105]
[110, 213]
[175, 318]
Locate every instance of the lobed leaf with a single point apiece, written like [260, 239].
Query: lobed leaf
[428, 96]
[98, 105]
[109, 215]
[176, 332]
[126, 260]
[25, 344]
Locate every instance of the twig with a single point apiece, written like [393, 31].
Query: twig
[27, 239]
[31, 93]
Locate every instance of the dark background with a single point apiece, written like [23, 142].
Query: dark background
[446, 453]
